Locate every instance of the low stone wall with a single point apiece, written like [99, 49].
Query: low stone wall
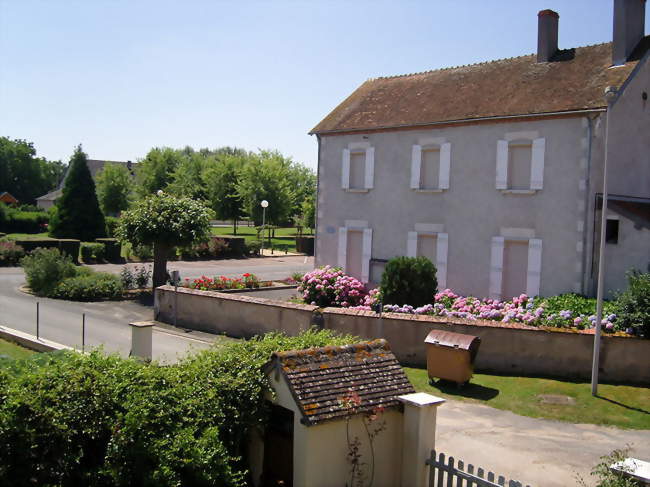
[30, 341]
[505, 348]
[233, 314]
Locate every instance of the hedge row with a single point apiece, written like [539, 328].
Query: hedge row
[24, 221]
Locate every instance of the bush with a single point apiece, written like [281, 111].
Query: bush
[89, 287]
[329, 286]
[68, 419]
[111, 225]
[218, 247]
[127, 277]
[24, 221]
[253, 247]
[409, 280]
[10, 253]
[92, 251]
[142, 276]
[143, 252]
[45, 269]
[112, 249]
[634, 305]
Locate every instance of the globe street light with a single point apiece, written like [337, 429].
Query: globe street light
[264, 205]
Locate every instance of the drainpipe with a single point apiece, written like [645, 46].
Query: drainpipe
[586, 270]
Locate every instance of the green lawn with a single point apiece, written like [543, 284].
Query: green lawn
[13, 351]
[618, 405]
[283, 236]
[26, 236]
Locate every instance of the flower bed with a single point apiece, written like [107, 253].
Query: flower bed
[246, 281]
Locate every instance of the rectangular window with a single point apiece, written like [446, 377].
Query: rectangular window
[515, 268]
[519, 165]
[354, 254]
[611, 232]
[427, 247]
[358, 170]
[430, 169]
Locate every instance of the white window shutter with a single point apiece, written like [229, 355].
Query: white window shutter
[366, 255]
[442, 245]
[343, 247]
[496, 267]
[370, 168]
[345, 169]
[416, 164]
[537, 164]
[445, 163]
[502, 164]
[534, 274]
[412, 244]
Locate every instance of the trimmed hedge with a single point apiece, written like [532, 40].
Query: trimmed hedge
[92, 251]
[305, 245]
[112, 249]
[67, 246]
[24, 221]
[91, 287]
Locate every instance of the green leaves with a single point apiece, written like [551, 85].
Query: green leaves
[114, 188]
[409, 280]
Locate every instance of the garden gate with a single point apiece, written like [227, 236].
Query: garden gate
[450, 475]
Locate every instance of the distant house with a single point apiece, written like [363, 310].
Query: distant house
[8, 199]
[494, 171]
[95, 166]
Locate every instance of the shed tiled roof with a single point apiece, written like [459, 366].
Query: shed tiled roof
[320, 379]
[575, 79]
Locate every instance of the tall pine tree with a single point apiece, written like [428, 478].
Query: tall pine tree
[77, 212]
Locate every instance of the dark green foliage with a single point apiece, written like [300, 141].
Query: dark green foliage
[112, 249]
[89, 286]
[70, 246]
[92, 251]
[111, 225]
[409, 280]
[45, 269]
[4, 215]
[143, 252]
[305, 245]
[23, 174]
[155, 171]
[253, 247]
[221, 181]
[10, 253]
[16, 221]
[578, 304]
[634, 304]
[114, 188]
[76, 420]
[78, 214]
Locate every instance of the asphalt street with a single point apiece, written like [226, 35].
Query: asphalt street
[107, 323]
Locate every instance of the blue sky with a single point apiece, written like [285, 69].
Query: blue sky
[121, 77]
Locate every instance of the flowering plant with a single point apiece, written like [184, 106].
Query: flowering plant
[330, 286]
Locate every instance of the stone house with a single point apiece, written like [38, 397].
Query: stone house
[320, 401]
[494, 171]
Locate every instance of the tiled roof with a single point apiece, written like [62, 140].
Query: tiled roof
[321, 379]
[575, 79]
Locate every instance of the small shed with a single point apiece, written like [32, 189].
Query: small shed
[7, 198]
[325, 397]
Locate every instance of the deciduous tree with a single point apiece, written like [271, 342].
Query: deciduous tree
[114, 188]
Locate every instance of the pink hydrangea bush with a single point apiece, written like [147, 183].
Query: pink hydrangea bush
[330, 286]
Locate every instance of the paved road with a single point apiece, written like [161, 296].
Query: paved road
[107, 322]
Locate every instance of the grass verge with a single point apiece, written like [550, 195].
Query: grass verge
[617, 405]
[283, 236]
[13, 351]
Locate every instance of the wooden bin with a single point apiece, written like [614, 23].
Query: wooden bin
[451, 356]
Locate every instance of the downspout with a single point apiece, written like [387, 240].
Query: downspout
[317, 202]
[586, 270]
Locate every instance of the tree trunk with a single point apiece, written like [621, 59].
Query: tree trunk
[160, 252]
[234, 226]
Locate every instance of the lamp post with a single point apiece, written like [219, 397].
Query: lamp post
[610, 97]
[264, 205]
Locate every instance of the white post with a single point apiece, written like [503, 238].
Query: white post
[419, 437]
[610, 96]
[141, 339]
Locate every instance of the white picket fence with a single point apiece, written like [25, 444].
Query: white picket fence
[451, 474]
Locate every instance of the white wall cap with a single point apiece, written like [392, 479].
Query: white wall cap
[421, 399]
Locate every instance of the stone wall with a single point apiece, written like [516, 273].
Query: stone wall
[505, 349]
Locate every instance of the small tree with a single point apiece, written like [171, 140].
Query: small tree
[165, 222]
[221, 181]
[409, 280]
[78, 214]
[114, 188]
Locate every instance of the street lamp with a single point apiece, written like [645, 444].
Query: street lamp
[610, 97]
[264, 205]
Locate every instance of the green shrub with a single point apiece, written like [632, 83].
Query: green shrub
[253, 247]
[89, 287]
[68, 419]
[143, 252]
[24, 221]
[578, 304]
[634, 304]
[111, 225]
[10, 253]
[409, 280]
[92, 251]
[45, 269]
[112, 249]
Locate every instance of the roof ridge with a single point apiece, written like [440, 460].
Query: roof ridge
[481, 63]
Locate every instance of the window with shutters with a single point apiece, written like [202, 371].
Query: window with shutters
[515, 266]
[358, 167]
[430, 166]
[520, 165]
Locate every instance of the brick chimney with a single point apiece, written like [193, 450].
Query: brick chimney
[629, 28]
[547, 29]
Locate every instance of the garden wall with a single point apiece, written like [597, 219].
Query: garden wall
[231, 313]
[505, 349]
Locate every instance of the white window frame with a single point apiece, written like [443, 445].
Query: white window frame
[442, 248]
[366, 252]
[369, 169]
[444, 168]
[538, 150]
[534, 270]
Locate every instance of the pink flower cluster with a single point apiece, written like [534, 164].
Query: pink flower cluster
[329, 286]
